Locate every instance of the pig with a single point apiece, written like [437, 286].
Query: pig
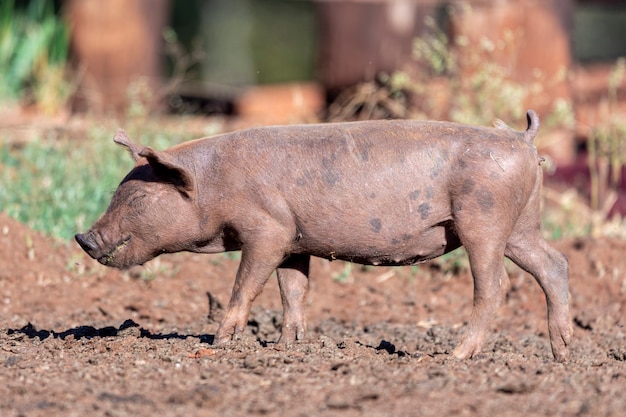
[390, 192]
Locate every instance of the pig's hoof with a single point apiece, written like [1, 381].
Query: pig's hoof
[559, 340]
[291, 334]
[224, 338]
[561, 357]
[465, 351]
[221, 341]
[559, 351]
[239, 337]
[286, 340]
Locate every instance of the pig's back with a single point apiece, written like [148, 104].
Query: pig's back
[383, 185]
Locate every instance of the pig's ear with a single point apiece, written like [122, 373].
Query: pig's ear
[169, 169]
[122, 139]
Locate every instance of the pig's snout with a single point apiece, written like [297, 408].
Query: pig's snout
[106, 254]
[87, 241]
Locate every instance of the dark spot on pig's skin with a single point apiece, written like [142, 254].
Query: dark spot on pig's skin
[407, 236]
[485, 199]
[373, 196]
[304, 178]
[376, 224]
[394, 241]
[441, 161]
[430, 193]
[330, 175]
[414, 195]
[468, 186]
[424, 210]
[434, 173]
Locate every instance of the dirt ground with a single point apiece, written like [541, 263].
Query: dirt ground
[78, 339]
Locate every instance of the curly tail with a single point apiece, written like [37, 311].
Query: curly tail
[533, 125]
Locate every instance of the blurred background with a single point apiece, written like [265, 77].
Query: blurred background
[199, 67]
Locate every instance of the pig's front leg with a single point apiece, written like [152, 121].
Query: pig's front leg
[258, 261]
[293, 280]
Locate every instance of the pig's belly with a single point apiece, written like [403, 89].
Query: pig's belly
[390, 220]
[405, 247]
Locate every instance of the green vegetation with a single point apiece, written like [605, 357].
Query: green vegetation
[346, 273]
[477, 93]
[60, 186]
[607, 153]
[34, 44]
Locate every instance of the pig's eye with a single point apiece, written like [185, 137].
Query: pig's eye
[137, 200]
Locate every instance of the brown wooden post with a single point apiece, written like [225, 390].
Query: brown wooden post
[359, 39]
[116, 45]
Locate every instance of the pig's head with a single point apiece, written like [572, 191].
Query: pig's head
[152, 211]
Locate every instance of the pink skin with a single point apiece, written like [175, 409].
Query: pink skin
[379, 193]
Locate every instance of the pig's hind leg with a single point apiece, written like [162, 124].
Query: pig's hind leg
[483, 231]
[530, 251]
[549, 267]
[293, 280]
[491, 282]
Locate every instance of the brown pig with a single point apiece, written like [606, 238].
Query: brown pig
[377, 193]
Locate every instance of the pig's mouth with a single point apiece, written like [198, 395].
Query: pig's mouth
[109, 257]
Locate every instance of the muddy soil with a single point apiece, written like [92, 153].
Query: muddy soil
[78, 339]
